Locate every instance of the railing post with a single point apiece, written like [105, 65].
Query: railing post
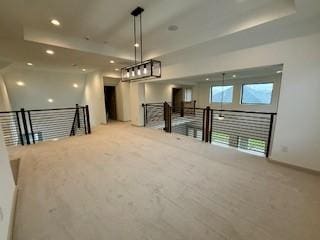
[182, 109]
[84, 120]
[207, 123]
[164, 110]
[88, 119]
[167, 117]
[270, 136]
[73, 130]
[144, 114]
[25, 126]
[19, 128]
[170, 118]
[211, 126]
[31, 127]
[78, 115]
[146, 122]
[203, 124]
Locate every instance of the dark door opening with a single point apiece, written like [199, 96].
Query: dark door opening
[110, 102]
[177, 98]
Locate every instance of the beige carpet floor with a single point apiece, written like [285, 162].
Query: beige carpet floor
[129, 183]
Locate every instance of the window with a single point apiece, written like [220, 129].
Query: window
[218, 91]
[188, 95]
[259, 93]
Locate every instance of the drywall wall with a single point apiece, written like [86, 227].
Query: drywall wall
[40, 85]
[122, 97]
[202, 94]
[123, 101]
[93, 96]
[4, 97]
[7, 190]
[158, 92]
[137, 98]
[297, 136]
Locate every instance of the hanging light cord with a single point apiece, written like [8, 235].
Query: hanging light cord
[222, 96]
[135, 40]
[141, 37]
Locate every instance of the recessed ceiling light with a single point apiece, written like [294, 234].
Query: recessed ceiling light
[55, 22]
[173, 28]
[111, 61]
[83, 69]
[234, 76]
[50, 52]
[75, 85]
[50, 100]
[136, 45]
[30, 64]
[20, 83]
[117, 69]
[207, 79]
[279, 71]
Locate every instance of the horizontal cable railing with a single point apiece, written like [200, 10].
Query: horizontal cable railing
[10, 122]
[32, 126]
[189, 124]
[154, 115]
[250, 131]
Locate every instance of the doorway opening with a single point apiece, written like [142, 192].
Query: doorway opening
[177, 98]
[110, 102]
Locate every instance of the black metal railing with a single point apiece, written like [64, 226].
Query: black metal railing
[249, 131]
[26, 127]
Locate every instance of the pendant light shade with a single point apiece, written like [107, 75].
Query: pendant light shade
[220, 117]
[140, 69]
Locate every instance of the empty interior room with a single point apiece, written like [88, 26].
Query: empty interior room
[162, 120]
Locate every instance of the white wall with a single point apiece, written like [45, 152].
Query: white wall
[7, 189]
[137, 98]
[159, 92]
[122, 97]
[40, 85]
[4, 97]
[297, 133]
[202, 94]
[93, 96]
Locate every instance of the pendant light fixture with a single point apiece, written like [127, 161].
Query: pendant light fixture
[221, 116]
[140, 69]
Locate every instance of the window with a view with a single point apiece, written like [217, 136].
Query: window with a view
[188, 95]
[259, 93]
[221, 94]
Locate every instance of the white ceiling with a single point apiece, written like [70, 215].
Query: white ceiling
[26, 30]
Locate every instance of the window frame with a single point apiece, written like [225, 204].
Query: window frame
[185, 94]
[264, 104]
[211, 94]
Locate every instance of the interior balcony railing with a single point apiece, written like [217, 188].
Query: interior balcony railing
[26, 127]
[244, 130]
